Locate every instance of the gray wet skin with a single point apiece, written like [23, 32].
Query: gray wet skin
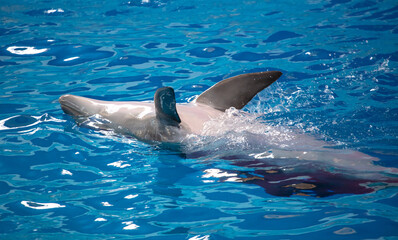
[164, 120]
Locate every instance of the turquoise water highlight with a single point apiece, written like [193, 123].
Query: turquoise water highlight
[58, 180]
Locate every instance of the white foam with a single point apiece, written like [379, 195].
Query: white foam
[52, 10]
[39, 119]
[70, 59]
[198, 237]
[130, 225]
[41, 206]
[25, 50]
[66, 172]
[217, 173]
[106, 204]
[119, 164]
[131, 196]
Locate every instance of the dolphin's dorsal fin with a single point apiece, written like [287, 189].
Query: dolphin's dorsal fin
[237, 91]
[165, 105]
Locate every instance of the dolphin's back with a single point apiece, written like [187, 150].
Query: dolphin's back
[237, 91]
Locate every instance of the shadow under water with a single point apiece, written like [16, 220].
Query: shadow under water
[295, 177]
[283, 161]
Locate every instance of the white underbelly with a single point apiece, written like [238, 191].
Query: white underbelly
[194, 116]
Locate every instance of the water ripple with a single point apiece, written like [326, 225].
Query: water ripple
[41, 206]
[390, 13]
[282, 35]
[377, 28]
[131, 60]
[64, 54]
[317, 54]
[22, 121]
[208, 52]
[50, 12]
[254, 57]
[9, 31]
[217, 40]
[147, 3]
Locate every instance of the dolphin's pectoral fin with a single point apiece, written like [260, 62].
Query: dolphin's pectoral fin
[237, 91]
[165, 105]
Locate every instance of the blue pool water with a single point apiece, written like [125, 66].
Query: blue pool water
[339, 84]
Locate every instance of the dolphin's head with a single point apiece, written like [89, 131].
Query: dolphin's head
[77, 106]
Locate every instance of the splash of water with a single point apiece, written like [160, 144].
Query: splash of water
[239, 130]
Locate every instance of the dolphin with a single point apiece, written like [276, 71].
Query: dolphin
[292, 163]
[163, 119]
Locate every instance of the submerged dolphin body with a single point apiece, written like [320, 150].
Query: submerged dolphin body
[164, 120]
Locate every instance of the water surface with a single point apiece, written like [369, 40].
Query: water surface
[58, 180]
